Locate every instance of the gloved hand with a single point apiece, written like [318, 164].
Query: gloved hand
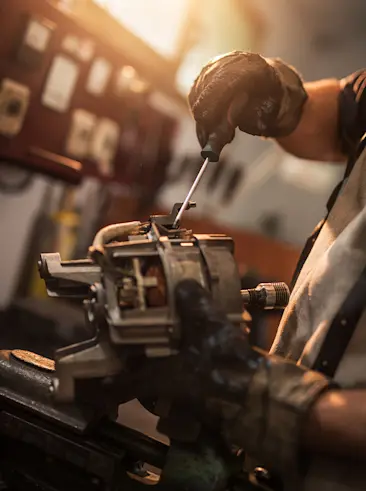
[261, 96]
[212, 353]
[257, 401]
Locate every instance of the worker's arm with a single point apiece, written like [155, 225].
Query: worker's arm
[267, 405]
[333, 119]
[316, 136]
[255, 401]
[336, 424]
[321, 120]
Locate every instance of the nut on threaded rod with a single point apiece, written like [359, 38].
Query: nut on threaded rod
[267, 296]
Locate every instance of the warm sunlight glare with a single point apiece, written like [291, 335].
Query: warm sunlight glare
[157, 22]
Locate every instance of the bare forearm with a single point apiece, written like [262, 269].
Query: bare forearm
[317, 135]
[337, 424]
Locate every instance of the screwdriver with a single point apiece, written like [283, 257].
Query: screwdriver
[211, 153]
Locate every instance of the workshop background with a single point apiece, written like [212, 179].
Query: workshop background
[95, 129]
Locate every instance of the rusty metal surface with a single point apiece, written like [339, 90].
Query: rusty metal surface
[33, 359]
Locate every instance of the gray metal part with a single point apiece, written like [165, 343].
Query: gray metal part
[223, 274]
[29, 388]
[133, 248]
[270, 294]
[208, 259]
[181, 262]
[134, 326]
[59, 275]
[156, 327]
[91, 359]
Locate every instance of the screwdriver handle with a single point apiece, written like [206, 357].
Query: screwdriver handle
[223, 135]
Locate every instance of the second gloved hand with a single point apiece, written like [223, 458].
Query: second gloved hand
[261, 96]
[256, 401]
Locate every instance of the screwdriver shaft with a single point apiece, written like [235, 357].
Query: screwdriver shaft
[190, 192]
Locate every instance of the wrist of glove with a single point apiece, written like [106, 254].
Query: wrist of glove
[268, 424]
[261, 96]
[293, 99]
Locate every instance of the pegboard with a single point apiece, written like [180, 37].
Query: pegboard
[141, 166]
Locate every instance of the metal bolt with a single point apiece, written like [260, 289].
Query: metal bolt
[343, 322]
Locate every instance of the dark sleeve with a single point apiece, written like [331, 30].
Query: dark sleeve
[352, 106]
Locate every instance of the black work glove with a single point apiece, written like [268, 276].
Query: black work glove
[258, 402]
[214, 359]
[261, 96]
